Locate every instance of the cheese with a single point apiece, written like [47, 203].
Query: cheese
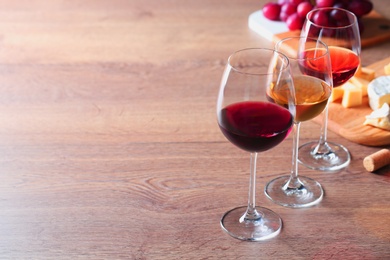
[379, 118]
[337, 93]
[365, 73]
[379, 92]
[387, 69]
[360, 83]
[352, 97]
[358, 70]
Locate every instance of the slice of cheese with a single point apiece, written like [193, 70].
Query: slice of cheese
[379, 92]
[379, 118]
[352, 97]
[360, 83]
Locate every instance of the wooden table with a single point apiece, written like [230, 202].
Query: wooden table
[109, 146]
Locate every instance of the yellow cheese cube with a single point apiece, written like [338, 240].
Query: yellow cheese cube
[358, 70]
[365, 73]
[361, 84]
[352, 97]
[387, 69]
[337, 93]
[349, 85]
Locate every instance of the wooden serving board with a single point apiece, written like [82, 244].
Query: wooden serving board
[348, 122]
[377, 28]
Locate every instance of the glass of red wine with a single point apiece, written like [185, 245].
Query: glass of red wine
[312, 77]
[253, 122]
[339, 29]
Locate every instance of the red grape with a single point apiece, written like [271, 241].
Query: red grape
[303, 8]
[321, 18]
[340, 5]
[287, 10]
[324, 3]
[345, 2]
[338, 15]
[272, 11]
[283, 9]
[294, 22]
[296, 2]
[360, 7]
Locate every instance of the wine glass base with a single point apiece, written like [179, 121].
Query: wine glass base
[335, 158]
[268, 226]
[309, 194]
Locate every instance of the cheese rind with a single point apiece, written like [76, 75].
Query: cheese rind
[378, 92]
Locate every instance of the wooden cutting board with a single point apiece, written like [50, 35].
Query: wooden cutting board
[348, 122]
[377, 28]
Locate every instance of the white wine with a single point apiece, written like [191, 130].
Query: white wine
[311, 96]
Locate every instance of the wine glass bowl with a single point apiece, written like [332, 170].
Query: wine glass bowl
[312, 80]
[339, 30]
[251, 121]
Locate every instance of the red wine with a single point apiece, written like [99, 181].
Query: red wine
[344, 64]
[255, 126]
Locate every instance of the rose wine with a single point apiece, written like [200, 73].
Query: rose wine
[255, 126]
[344, 64]
[315, 64]
[311, 96]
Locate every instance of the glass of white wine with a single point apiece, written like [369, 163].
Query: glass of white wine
[312, 79]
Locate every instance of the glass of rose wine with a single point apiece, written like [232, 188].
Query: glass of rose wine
[253, 122]
[339, 29]
[312, 77]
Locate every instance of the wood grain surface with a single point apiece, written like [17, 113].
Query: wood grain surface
[110, 147]
[348, 122]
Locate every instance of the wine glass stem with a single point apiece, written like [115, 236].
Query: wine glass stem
[324, 125]
[323, 147]
[294, 182]
[251, 213]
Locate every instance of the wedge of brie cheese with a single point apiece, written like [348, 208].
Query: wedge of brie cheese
[379, 118]
[378, 91]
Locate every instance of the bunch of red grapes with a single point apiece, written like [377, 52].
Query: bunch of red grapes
[293, 12]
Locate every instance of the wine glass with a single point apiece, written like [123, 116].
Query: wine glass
[312, 77]
[253, 122]
[337, 28]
